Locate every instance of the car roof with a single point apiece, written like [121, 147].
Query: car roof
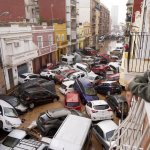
[27, 74]
[5, 104]
[107, 125]
[67, 83]
[72, 97]
[7, 97]
[35, 89]
[78, 72]
[58, 112]
[16, 133]
[82, 65]
[99, 102]
[109, 82]
[84, 81]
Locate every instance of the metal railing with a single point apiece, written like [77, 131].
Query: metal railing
[139, 53]
[134, 132]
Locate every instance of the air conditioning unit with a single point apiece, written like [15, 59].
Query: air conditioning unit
[16, 44]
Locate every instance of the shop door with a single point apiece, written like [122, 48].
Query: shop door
[11, 79]
[22, 69]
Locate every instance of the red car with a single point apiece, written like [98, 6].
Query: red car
[105, 57]
[60, 76]
[89, 51]
[100, 69]
[72, 101]
[114, 77]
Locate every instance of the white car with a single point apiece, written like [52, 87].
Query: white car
[68, 59]
[12, 139]
[98, 110]
[47, 73]
[88, 59]
[114, 66]
[75, 75]
[27, 76]
[9, 119]
[92, 77]
[104, 131]
[67, 86]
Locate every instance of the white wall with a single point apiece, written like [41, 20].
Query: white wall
[84, 11]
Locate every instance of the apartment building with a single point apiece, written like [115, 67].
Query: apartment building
[60, 38]
[19, 11]
[104, 21]
[17, 52]
[43, 39]
[56, 11]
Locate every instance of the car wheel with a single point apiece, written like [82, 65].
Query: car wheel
[1, 125]
[31, 106]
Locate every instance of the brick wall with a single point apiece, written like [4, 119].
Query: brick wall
[16, 9]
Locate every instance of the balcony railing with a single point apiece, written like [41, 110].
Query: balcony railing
[139, 53]
[16, 59]
[73, 2]
[134, 132]
[47, 49]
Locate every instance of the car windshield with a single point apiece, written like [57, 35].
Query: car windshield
[110, 134]
[10, 112]
[101, 107]
[90, 91]
[72, 104]
[63, 86]
[14, 102]
[10, 141]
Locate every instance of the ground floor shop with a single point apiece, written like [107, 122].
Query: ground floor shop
[11, 74]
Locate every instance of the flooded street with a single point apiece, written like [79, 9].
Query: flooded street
[32, 115]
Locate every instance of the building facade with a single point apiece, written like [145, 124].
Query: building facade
[60, 38]
[43, 39]
[27, 11]
[104, 27]
[17, 52]
[67, 12]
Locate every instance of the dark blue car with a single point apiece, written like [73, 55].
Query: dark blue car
[86, 90]
[109, 87]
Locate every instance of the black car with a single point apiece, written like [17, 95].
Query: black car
[36, 95]
[39, 82]
[14, 101]
[49, 122]
[109, 87]
[119, 105]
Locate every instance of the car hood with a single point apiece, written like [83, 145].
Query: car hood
[21, 107]
[112, 143]
[91, 98]
[3, 147]
[14, 121]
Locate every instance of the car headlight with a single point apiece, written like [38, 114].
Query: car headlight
[8, 123]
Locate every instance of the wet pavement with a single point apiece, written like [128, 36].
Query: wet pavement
[33, 115]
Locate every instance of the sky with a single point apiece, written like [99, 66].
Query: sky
[122, 7]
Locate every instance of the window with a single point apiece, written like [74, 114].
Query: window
[99, 130]
[40, 41]
[62, 37]
[50, 39]
[58, 37]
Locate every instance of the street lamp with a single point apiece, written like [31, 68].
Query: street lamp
[52, 5]
[5, 13]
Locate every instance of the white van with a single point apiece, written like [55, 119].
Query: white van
[68, 59]
[73, 134]
[8, 117]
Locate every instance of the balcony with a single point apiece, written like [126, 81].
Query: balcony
[134, 132]
[47, 49]
[62, 44]
[17, 59]
[73, 2]
[139, 54]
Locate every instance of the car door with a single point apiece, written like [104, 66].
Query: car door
[1, 117]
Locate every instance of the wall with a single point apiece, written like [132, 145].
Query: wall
[16, 9]
[52, 9]
[136, 7]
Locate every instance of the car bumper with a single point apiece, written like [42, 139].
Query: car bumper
[97, 117]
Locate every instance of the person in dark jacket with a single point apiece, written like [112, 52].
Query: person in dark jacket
[139, 87]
